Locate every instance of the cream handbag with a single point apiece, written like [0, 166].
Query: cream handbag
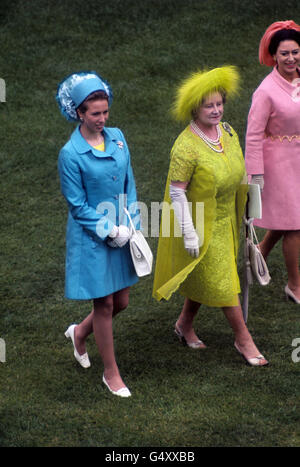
[141, 253]
[258, 265]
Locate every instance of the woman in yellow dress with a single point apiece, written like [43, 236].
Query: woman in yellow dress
[198, 244]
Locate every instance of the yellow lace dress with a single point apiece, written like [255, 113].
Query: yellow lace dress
[217, 193]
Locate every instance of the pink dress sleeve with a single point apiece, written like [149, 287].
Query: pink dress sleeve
[258, 118]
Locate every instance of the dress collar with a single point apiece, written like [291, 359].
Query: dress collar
[283, 83]
[82, 146]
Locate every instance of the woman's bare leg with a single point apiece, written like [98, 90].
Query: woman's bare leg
[186, 318]
[82, 331]
[243, 337]
[269, 241]
[85, 328]
[291, 251]
[120, 300]
[103, 331]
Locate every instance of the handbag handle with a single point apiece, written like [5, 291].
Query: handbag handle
[130, 220]
[253, 235]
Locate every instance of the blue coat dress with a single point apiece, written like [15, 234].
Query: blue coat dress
[96, 185]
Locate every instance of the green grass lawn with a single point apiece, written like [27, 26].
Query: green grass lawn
[180, 397]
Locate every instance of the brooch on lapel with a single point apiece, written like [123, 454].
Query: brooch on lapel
[227, 128]
[120, 144]
[296, 92]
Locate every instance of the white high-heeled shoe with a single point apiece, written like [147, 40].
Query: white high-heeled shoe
[82, 359]
[123, 392]
[254, 361]
[289, 294]
[193, 345]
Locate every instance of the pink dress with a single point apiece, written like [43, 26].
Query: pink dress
[273, 149]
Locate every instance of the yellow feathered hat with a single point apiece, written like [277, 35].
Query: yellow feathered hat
[200, 85]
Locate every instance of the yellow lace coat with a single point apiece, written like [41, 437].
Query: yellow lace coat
[218, 198]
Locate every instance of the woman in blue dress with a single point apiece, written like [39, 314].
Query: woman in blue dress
[97, 182]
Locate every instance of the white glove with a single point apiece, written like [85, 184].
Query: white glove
[119, 236]
[258, 180]
[182, 213]
[191, 244]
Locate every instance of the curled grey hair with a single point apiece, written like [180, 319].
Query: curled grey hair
[195, 111]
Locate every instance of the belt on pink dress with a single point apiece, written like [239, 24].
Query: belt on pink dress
[281, 138]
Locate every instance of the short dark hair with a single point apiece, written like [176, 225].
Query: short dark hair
[94, 96]
[283, 35]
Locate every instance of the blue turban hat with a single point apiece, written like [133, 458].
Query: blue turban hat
[75, 88]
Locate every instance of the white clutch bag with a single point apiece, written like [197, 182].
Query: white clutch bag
[254, 201]
[141, 253]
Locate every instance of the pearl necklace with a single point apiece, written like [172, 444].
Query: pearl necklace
[210, 142]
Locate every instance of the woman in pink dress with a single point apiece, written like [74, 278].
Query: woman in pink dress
[273, 146]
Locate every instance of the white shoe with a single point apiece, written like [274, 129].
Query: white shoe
[254, 361]
[123, 392]
[289, 294]
[193, 345]
[82, 359]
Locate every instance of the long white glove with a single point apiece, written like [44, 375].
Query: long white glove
[182, 213]
[119, 236]
[259, 180]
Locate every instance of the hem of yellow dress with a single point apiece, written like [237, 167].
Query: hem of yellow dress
[161, 293]
[233, 302]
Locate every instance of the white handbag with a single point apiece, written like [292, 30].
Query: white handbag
[258, 265]
[141, 253]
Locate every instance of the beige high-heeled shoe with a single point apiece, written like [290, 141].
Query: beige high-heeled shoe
[193, 345]
[254, 361]
[289, 295]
